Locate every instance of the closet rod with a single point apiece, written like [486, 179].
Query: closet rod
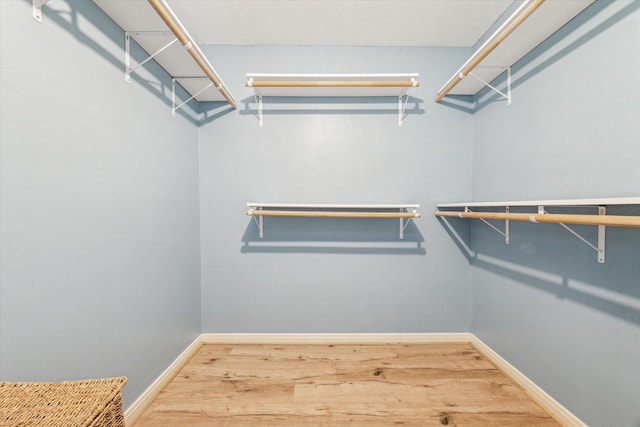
[334, 214]
[505, 29]
[611, 220]
[176, 27]
[329, 83]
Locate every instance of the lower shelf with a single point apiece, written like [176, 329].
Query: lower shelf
[405, 212]
[601, 219]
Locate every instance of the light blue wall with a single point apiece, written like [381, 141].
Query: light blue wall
[99, 210]
[320, 275]
[100, 224]
[543, 302]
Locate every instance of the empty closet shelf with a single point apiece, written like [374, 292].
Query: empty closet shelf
[572, 213]
[404, 212]
[611, 220]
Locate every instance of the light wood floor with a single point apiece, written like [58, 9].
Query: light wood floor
[333, 385]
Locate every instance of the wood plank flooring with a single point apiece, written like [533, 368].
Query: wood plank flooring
[334, 385]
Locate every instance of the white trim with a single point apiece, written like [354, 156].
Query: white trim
[461, 337]
[548, 403]
[566, 202]
[330, 77]
[333, 206]
[143, 401]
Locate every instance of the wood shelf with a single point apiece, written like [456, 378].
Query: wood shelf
[316, 210]
[156, 29]
[558, 202]
[600, 219]
[532, 23]
[332, 85]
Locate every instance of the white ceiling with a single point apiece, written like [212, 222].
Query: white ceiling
[326, 22]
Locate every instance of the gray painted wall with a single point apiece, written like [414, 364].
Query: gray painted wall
[99, 210]
[543, 302]
[319, 275]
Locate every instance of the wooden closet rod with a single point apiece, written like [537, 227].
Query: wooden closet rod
[334, 214]
[503, 32]
[612, 220]
[329, 83]
[167, 15]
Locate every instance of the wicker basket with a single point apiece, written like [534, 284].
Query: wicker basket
[68, 403]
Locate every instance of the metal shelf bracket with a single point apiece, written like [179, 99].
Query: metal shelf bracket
[506, 96]
[175, 107]
[599, 247]
[404, 223]
[259, 220]
[258, 99]
[506, 232]
[260, 114]
[127, 50]
[37, 9]
[403, 106]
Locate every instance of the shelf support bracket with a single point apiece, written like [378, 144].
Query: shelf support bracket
[403, 223]
[127, 51]
[259, 222]
[175, 108]
[260, 114]
[504, 233]
[506, 96]
[37, 9]
[599, 247]
[258, 99]
[403, 106]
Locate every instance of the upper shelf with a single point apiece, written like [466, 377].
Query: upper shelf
[154, 26]
[533, 22]
[331, 85]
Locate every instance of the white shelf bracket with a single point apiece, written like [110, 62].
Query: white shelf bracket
[260, 114]
[599, 247]
[175, 107]
[402, 107]
[504, 233]
[259, 220]
[404, 222]
[506, 96]
[37, 9]
[258, 99]
[127, 51]
[506, 227]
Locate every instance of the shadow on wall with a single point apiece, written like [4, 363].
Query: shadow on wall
[332, 105]
[527, 67]
[549, 258]
[158, 83]
[213, 110]
[464, 103]
[378, 236]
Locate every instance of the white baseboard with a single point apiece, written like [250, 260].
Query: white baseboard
[461, 337]
[136, 409]
[548, 403]
[555, 409]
